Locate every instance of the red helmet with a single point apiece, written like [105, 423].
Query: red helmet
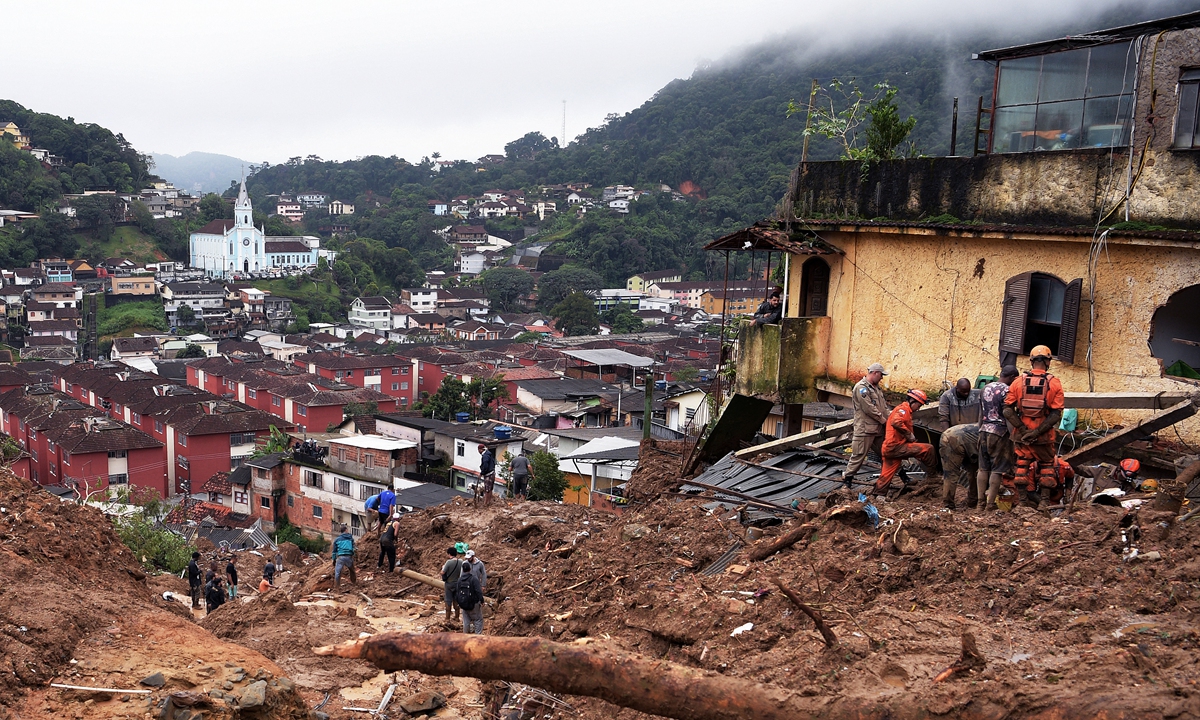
[1131, 466]
[918, 395]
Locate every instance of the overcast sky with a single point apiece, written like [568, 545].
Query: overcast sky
[271, 80]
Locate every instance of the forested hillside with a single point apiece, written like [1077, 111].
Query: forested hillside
[722, 135]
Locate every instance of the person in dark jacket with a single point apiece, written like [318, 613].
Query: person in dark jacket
[487, 472]
[343, 557]
[193, 576]
[214, 594]
[770, 311]
[231, 573]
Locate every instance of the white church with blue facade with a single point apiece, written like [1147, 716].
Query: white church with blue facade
[224, 247]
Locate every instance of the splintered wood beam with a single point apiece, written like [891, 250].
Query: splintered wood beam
[804, 438]
[1123, 400]
[1142, 430]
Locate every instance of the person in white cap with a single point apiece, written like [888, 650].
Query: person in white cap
[870, 417]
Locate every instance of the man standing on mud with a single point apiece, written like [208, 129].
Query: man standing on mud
[995, 446]
[451, 571]
[487, 472]
[193, 576]
[870, 417]
[343, 557]
[1033, 407]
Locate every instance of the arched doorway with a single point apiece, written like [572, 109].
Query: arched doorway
[1175, 333]
[246, 265]
[814, 288]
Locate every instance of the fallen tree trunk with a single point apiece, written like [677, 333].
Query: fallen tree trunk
[675, 691]
[649, 686]
[764, 550]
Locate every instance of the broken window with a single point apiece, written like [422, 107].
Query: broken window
[1186, 135]
[1065, 100]
[1039, 309]
[1175, 334]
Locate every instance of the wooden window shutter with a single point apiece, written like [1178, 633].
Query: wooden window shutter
[1016, 310]
[1070, 321]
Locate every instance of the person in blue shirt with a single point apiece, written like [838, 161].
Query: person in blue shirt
[387, 501]
[372, 508]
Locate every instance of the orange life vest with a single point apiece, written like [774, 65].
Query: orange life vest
[1033, 395]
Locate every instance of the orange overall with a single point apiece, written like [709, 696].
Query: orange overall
[1035, 395]
[896, 446]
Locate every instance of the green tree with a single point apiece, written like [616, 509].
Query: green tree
[555, 286]
[185, 316]
[191, 350]
[450, 399]
[529, 336]
[355, 409]
[505, 286]
[622, 320]
[529, 146]
[153, 545]
[275, 442]
[839, 111]
[548, 482]
[483, 393]
[214, 207]
[576, 315]
[886, 131]
[686, 374]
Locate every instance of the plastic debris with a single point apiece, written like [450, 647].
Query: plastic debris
[741, 629]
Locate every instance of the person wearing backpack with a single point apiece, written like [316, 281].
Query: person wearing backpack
[451, 571]
[469, 596]
[343, 557]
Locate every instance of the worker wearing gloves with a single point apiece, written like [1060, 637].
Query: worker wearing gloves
[900, 442]
[959, 449]
[1033, 407]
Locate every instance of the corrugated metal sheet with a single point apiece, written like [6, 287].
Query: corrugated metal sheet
[803, 473]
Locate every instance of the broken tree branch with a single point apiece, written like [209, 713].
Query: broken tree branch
[764, 550]
[830, 639]
[971, 659]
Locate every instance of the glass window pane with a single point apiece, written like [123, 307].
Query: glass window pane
[1111, 70]
[1064, 75]
[1046, 299]
[1018, 81]
[1185, 123]
[1106, 122]
[1058, 125]
[1012, 130]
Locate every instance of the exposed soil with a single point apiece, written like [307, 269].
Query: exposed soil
[1059, 616]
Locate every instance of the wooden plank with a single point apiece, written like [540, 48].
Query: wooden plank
[1181, 341]
[1124, 400]
[804, 438]
[1143, 429]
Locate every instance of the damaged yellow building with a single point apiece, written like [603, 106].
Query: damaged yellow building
[1053, 232]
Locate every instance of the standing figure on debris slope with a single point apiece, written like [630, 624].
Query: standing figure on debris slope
[193, 576]
[487, 472]
[387, 543]
[231, 573]
[269, 572]
[387, 505]
[469, 594]
[770, 310]
[959, 405]
[995, 445]
[278, 563]
[451, 571]
[900, 442]
[522, 472]
[870, 417]
[1033, 407]
[343, 557]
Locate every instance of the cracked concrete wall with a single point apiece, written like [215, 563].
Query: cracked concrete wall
[1068, 188]
[897, 294]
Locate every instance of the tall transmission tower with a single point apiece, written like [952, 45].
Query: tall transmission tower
[563, 141]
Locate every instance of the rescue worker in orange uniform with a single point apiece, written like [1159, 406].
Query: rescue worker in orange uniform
[1064, 476]
[899, 442]
[1033, 408]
